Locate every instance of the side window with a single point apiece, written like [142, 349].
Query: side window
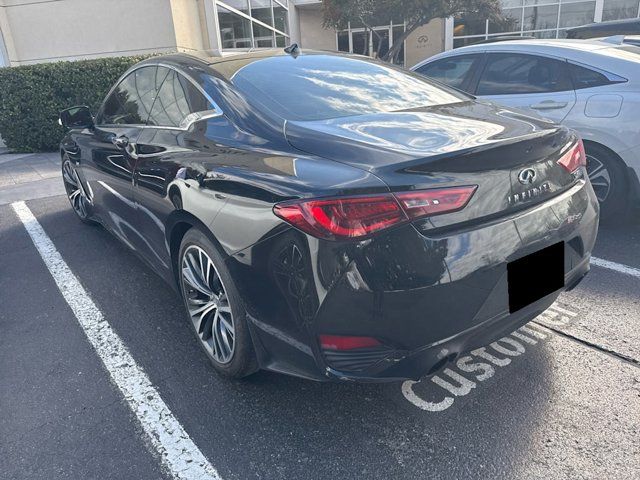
[452, 71]
[131, 101]
[177, 99]
[586, 78]
[512, 73]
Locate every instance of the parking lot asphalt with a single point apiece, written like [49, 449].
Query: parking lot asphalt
[558, 399]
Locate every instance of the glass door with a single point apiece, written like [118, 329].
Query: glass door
[380, 42]
[360, 41]
[374, 43]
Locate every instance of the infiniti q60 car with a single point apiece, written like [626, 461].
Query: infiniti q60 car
[329, 216]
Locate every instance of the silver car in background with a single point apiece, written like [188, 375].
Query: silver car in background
[589, 85]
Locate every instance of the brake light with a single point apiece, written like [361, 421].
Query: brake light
[574, 158]
[340, 342]
[358, 217]
[349, 217]
[423, 203]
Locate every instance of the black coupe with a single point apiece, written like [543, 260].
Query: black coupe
[329, 216]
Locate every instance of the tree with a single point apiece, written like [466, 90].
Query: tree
[337, 14]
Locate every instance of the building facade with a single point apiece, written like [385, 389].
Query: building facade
[541, 18]
[54, 30]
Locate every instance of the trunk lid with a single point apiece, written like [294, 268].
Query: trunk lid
[468, 143]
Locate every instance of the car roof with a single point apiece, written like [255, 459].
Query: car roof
[579, 50]
[525, 44]
[211, 59]
[622, 60]
[227, 64]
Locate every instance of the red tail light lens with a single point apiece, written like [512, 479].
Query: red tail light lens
[574, 158]
[340, 342]
[358, 217]
[438, 200]
[349, 217]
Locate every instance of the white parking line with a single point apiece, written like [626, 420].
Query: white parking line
[178, 453]
[618, 267]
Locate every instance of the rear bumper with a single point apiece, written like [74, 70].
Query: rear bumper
[427, 296]
[431, 358]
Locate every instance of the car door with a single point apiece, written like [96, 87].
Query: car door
[456, 71]
[170, 155]
[537, 84]
[108, 168]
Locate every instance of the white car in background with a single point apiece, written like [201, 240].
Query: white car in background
[589, 85]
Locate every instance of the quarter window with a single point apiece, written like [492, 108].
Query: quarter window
[509, 74]
[452, 71]
[177, 98]
[131, 101]
[584, 77]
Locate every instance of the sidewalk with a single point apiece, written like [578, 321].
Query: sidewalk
[25, 176]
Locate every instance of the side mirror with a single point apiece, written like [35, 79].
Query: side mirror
[76, 117]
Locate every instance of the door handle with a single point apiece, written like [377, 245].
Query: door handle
[548, 105]
[121, 142]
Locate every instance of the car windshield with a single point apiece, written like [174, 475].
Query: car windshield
[317, 87]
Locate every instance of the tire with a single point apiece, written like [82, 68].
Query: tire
[608, 177]
[214, 306]
[80, 203]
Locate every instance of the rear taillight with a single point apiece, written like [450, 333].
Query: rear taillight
[358, 217]
[574, 158]
[349, 217]
[423, 203]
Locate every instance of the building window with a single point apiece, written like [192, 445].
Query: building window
[235, 31]
[374, 43]
[246, 24]
[620, 9]
[280, 18]
[263, 37]
[576, 14]
[540, 18]
[261, 10]
[343, 41]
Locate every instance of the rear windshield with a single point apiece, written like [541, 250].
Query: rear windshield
[317, 87]
[631, 49]
[623, 52]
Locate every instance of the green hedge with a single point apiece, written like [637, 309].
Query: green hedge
[31, 97]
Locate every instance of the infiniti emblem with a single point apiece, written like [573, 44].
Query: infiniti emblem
[527, 176]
